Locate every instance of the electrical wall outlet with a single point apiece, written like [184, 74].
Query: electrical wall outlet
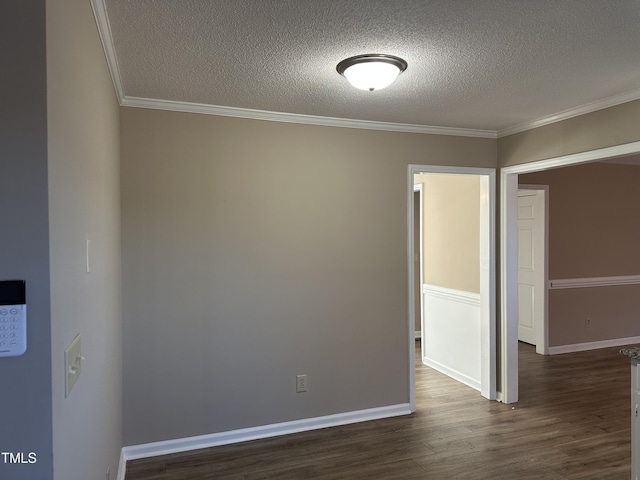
[587, 322]
[301, 383]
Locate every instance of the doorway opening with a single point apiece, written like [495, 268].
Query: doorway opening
[509, 252]
[485, 328]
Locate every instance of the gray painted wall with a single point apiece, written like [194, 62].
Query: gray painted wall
[254, 251]
[84, 203]
[25, 395]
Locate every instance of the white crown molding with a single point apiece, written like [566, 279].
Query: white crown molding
[104, 30]
[300, 118]
[572, 112]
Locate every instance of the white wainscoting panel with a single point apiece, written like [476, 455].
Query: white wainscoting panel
[451, 334]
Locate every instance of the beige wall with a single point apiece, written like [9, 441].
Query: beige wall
[254, 251]
[84, 202]
[451, 236]
[592, 226]
[613, 312]
[603, 128]
[592, 233]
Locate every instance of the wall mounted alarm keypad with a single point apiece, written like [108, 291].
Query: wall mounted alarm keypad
[13, 318]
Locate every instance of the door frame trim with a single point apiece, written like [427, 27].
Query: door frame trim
[488, 349]
[417, 188]
[509, 252]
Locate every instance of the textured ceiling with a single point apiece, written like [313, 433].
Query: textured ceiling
[489, 65]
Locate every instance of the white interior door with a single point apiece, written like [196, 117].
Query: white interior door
[531, 288]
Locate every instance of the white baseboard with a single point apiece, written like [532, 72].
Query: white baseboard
[266, 431]
[581, 347]
[122, 467]
[460, 377]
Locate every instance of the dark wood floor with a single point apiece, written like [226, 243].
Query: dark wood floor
[572, 422]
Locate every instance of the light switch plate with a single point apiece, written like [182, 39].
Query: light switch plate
[301, 383]
[72, 364]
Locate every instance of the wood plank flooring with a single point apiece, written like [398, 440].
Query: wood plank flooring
[572, 423]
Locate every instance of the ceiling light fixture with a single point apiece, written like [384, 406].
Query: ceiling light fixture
[372, 71]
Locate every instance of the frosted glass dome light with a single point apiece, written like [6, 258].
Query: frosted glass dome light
[371, 72]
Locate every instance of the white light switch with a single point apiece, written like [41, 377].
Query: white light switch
[72, 364]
